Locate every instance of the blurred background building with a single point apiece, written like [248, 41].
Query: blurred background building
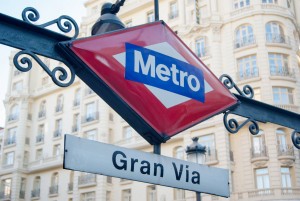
[254, 41]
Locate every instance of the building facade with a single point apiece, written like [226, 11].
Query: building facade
[254, 41]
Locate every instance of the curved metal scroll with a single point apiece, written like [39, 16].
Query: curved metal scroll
[58, 74]
[64, 23]
[233, 126]
[229, 84]
[296, 139]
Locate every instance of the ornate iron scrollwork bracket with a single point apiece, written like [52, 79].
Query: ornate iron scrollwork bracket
[232, 125]
[59, 74]
[296, 138]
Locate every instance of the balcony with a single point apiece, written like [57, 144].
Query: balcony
[90, 117]
[272, 38]
[87, 180]
[70, 186]
[173, 15]
[283, 71]
[45, 163]
[59, 108]
[35, 193]
[57, 133]
[260, 192]
[259, 155]
[42, 114]
[244, 42]
[286, 154]
[289, 107]
[39, 138]
[22, 194]
[10, 141]
[5, 195]
[53, 190]
[248, 74]
[76, 102]
[211, 157]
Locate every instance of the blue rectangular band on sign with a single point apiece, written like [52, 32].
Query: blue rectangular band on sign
[153, 68]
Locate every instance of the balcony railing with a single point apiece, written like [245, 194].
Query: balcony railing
[53, 190]
[248, 74]
[42, 114]
[90, 117]
[35, 193]
[10, 141]
[39, 138]
[88, 179]
[70, 186]
[258, 152]
[244, 41]
[260, 192]
[57, 133]
[59, 108]
[290, 191]
[277, 38]
[22, 194]
[290, 107]
[12, 117]
[173, 15]
[283, 71]
[5, 195]
[285, 150]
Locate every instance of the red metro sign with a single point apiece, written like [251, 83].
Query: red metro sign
[151, 78]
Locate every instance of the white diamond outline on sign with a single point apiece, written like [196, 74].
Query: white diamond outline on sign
[167, 98]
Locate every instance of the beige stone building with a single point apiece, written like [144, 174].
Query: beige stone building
[254, 41]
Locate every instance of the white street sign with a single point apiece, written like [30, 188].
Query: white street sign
[100, 158]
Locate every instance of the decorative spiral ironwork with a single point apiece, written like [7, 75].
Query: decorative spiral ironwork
[59, 74]
[233, 126]
[64, 23]
[229, 84]
[296, 139]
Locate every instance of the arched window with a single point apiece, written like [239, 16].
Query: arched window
[281, 139]
[179, 152]
[274, 33]
[14, 113]
[244, 36]
[42, 109]
[258, 144]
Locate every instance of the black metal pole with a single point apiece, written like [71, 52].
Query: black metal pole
[156, 149]
[198, 196]
[156, 10]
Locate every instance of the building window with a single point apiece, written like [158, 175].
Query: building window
[6, 188]
[275, 34]
[173, 10]
[91, 113]
[36, 187]
[127, 132]
[258, 145]
[262, 178]
[76, 123]
[59, 103]
[42, 109]
[270, 1]
[279, 65]
[108, 196]
[77, 98]
[126, 195]
[247, 67]
[151, 193]
[9, 158]
[56, 150]
[179, 152]
[241, 3]
[244, 36]
[14, 113]
[22, 188]
[285, 177]
[179, 194]
[91, 134]
[18, 86]
[10, 137]
[54, 184]
[58, 128]
[150, 17]
[88, 91]
[282, 96]
[39, 154]
[209, 142]
[201, 49]
[89, 196]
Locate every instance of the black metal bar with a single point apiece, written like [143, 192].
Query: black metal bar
[264, 113]
[198, 196]
[157, 149]
[156, 10]
[22, 35]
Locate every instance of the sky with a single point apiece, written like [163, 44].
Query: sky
[48, 10]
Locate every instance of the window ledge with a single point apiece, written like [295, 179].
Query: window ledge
[245, 48]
